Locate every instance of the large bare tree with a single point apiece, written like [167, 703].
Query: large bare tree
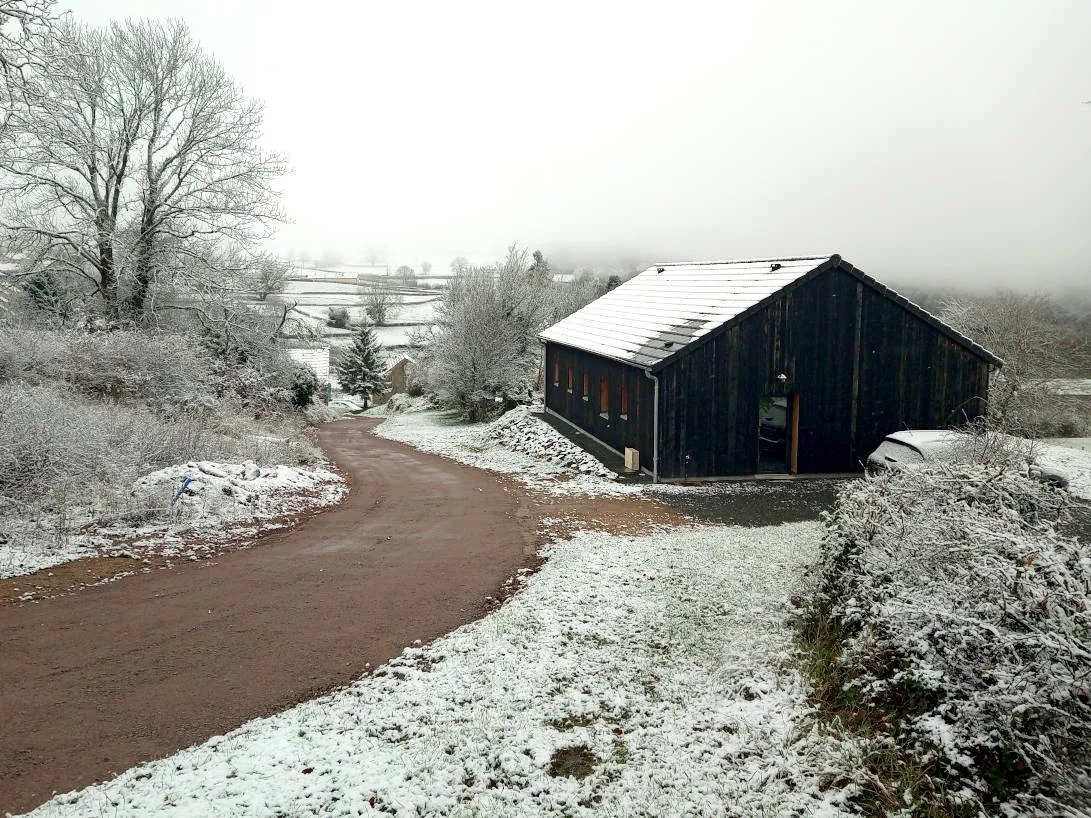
[137, 159]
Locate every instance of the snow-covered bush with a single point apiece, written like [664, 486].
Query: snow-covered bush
[318, 413]
[482, 356]
[399, 403]
[483, 346]
[957, 619]
[52, 442]
[117, 365]
[54, 445]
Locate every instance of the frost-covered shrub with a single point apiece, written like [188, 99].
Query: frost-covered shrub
[339, 318]
[482, 356]
[53, 443]
[29, 353]
[961, 612]
[119, 365]
[132, 364]
[304, 386]
[318, 413]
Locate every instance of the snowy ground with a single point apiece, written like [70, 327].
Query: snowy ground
[1071, 456]
[314, 298]
[642, 676]
[222, 501]
[517, 443]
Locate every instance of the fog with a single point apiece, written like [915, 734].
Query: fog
[933, 143]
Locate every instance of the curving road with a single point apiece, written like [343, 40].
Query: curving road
[97, 681]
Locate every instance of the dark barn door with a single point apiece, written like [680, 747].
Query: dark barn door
[778, 434]
[773, 428]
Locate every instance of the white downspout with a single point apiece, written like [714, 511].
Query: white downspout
[655, 427]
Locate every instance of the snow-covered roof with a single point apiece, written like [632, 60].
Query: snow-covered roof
[317, 358]
[393, 362]
[669, 306]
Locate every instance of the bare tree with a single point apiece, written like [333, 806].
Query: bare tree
[471, 357]
[484, 345]
[380, 303]
[1026, 332]
[203, 171]
[135, 160]
[270, 276]
[406, 274]
[67, 161]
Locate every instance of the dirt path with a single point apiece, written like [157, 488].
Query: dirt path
[97, 681]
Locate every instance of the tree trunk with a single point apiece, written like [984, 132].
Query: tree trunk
[107, 272]
[143, 272]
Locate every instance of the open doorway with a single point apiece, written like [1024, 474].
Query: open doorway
[777, 434]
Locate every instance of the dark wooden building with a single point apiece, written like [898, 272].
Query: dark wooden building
[798, 365]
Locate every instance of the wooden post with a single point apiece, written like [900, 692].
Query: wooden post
[793, 463]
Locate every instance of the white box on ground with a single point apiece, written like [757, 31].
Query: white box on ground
[632, 459]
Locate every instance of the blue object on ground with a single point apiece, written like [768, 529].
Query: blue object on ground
[181, 491]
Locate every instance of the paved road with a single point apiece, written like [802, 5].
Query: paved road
[753, 502]
[97, 681]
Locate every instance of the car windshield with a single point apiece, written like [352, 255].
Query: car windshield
[894, 452]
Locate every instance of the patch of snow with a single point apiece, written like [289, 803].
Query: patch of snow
[661, 666]
[298, 287]
[517, 443]
[1083, 444]
[393, 336]
[1070, 386]
[156, 515]
[1071, 456]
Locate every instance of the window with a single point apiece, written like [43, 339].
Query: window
[556, 373]
[624, 403]
[586, 385]
[571, 379]
[604, 397]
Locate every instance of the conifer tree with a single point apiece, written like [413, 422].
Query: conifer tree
[360, 371]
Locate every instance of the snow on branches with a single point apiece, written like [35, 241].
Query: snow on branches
[360, 372]
[963, 612]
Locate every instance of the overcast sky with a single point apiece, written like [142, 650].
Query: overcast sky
[933, 140]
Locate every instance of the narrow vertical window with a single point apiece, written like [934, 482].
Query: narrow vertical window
[556, 373]
[571, 379]
[624, 403]
[604, 396]
[586, 385]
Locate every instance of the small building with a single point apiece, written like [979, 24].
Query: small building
[785, 365]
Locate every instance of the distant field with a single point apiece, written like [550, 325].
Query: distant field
[314, 299]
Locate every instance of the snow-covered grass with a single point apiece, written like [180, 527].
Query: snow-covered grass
[953, 623]
[222, 501]
[518, 443]
[648, 676]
